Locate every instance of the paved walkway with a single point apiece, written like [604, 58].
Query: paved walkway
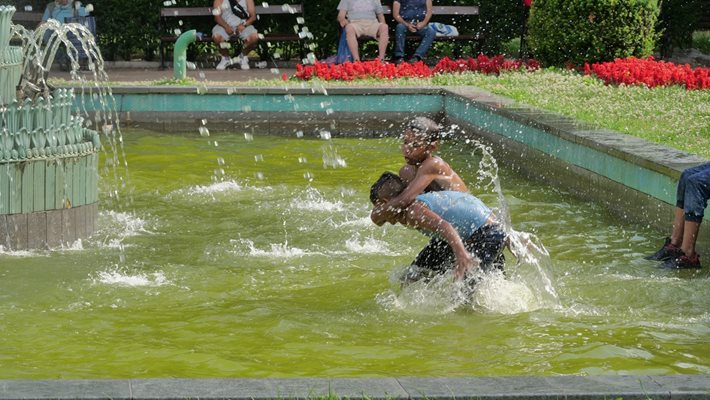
[153, 74]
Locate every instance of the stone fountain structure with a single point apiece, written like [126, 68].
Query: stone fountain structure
[48, 158]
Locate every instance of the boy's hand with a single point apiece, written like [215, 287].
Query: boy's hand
[464, 263]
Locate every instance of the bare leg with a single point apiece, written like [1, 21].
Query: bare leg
[218, 39]
[690, 235]
[351, 38]
[382, 40]
[678, 227]
[250, 44]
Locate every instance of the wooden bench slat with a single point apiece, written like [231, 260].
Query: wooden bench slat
[26, 16]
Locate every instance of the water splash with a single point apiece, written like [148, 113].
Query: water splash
[367, 245]
[276, 250]
[121, 277]
[314, 200]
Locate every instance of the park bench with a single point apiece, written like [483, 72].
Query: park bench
[262, 11]
[28, 19]
[449, 12]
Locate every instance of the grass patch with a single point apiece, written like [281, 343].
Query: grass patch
[672, 116]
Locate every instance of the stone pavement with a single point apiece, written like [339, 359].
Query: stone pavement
[151, 73]
[671, 387]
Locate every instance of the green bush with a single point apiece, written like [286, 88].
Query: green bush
[127, 28]
[563, 32]
[701, 41]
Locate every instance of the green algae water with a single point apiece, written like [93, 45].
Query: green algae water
[254, 256]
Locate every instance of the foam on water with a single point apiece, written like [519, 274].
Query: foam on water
[367, 245]
[22, 253]
[246, 247]
[118, 277]
[217, 187]
[313, 200]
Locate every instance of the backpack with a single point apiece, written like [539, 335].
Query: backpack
[238, 10]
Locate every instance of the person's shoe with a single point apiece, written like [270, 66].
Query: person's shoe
[244, 63]
[682, 262]
[224, 63]
[669, 251]
[415, 59]
[397, 60]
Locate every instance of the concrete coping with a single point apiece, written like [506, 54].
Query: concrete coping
[656, 157]
[520, 387]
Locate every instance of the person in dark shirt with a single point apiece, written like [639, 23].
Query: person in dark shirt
[412, 16]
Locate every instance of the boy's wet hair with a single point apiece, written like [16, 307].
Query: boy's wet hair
[388, 180]
[425, 128]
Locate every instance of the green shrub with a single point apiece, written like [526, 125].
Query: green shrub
[701, 41]
[573, 32]
[127, 28]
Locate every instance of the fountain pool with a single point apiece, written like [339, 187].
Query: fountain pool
[254, 256]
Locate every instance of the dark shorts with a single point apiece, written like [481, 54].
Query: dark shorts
[437, 257]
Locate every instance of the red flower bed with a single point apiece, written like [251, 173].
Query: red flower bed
[649, 72]
[376, 69]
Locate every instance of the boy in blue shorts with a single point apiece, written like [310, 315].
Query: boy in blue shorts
[466, 229]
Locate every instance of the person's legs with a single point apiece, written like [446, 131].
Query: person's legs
[220, 37]
[383, 38]
[427, 34]
[351, 37]
[250, 37]
[249, 44]
[400, 37]
[693, 193]
[434, 259]
[697, 191]
[487, 244]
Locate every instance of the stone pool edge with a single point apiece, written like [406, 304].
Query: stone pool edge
[517, 387]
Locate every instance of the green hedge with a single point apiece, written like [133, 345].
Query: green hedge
[563, 32]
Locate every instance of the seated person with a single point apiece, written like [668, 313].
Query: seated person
[234, 18]
[467, 232]
[363, 18]
[692, 196]
[60, 10]
[412, 16]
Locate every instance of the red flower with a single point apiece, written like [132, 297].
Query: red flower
[649, 72]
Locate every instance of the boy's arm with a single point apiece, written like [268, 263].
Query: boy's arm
[418, 215]
[383, 212]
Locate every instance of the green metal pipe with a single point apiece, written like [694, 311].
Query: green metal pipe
[180, 55]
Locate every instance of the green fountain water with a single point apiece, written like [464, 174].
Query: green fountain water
[254, 256]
